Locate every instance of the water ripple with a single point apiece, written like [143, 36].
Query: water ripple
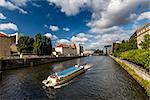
[105, 81]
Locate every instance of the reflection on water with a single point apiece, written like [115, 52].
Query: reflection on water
[105, 81]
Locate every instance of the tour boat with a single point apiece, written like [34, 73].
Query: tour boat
[60, 78]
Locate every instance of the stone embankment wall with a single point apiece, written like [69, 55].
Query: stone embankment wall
[26, 62]
[140, 75]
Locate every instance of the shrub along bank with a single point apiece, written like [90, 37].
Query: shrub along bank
[138, 56]
[129, 51]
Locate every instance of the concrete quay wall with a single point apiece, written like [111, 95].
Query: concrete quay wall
[142, 77]
[6, 64]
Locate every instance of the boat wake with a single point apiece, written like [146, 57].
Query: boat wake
[87, 66]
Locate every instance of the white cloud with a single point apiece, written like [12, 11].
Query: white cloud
[105, 13]
[13, 5]
[98, 40]
[108, 36]
[2, 16]
[8, 26]
[105, 30]
[107, 39]
[65, 41]
[106, 23]
[69, 7]
[73, 7]
[53, 37]
[84, 35]
[107, 18]
[116, 13]
[81, 38]
[145, 15]
[7, 5]
[36, 5]
[53, 28]
[66, 29]
[20, 2]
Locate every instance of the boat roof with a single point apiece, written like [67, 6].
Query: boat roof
[68, 71]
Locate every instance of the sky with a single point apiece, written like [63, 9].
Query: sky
[91, 23]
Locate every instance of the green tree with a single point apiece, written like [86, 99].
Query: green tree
[25, 44]
[145, 44]
[123, 41]
[133, 41]
[48, 45]
[98, 51]
[38, 44]
[42, 45]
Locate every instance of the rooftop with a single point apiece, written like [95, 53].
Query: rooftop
[67, 46]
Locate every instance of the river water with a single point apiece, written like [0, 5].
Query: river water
[106, 80]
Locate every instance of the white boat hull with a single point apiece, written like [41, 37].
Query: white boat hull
[55, 81]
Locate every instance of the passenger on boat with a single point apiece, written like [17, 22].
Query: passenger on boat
[81, 66]
[77, 65]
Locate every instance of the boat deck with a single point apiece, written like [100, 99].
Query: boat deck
[68, 71]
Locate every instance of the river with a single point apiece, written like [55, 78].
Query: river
[106, 80]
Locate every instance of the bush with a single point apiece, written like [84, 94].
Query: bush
[116, 54]
[138, 56]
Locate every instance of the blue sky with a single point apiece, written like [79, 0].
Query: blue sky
[92, 23]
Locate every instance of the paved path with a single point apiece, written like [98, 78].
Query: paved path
[138, 70]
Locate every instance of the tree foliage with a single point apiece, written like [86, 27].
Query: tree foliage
[125, 45]
[38, 44]
[25, 44]
[145, 44]
[42, 45]
[98, 51]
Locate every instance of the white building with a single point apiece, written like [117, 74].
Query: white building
[107, 49]
[11, 40]
[65, 50]
[16, 37]
[14, 41]
[88, 52]
[79, 49]
[141, 32]
[68, 50]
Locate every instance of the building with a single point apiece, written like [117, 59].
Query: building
[65, 50]
[88, 52]
[79, 49]
[5, 43]
[8, 44]
[117, 41]
[14, 41]
[141, 32]
[107, 49]
[68, 50]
